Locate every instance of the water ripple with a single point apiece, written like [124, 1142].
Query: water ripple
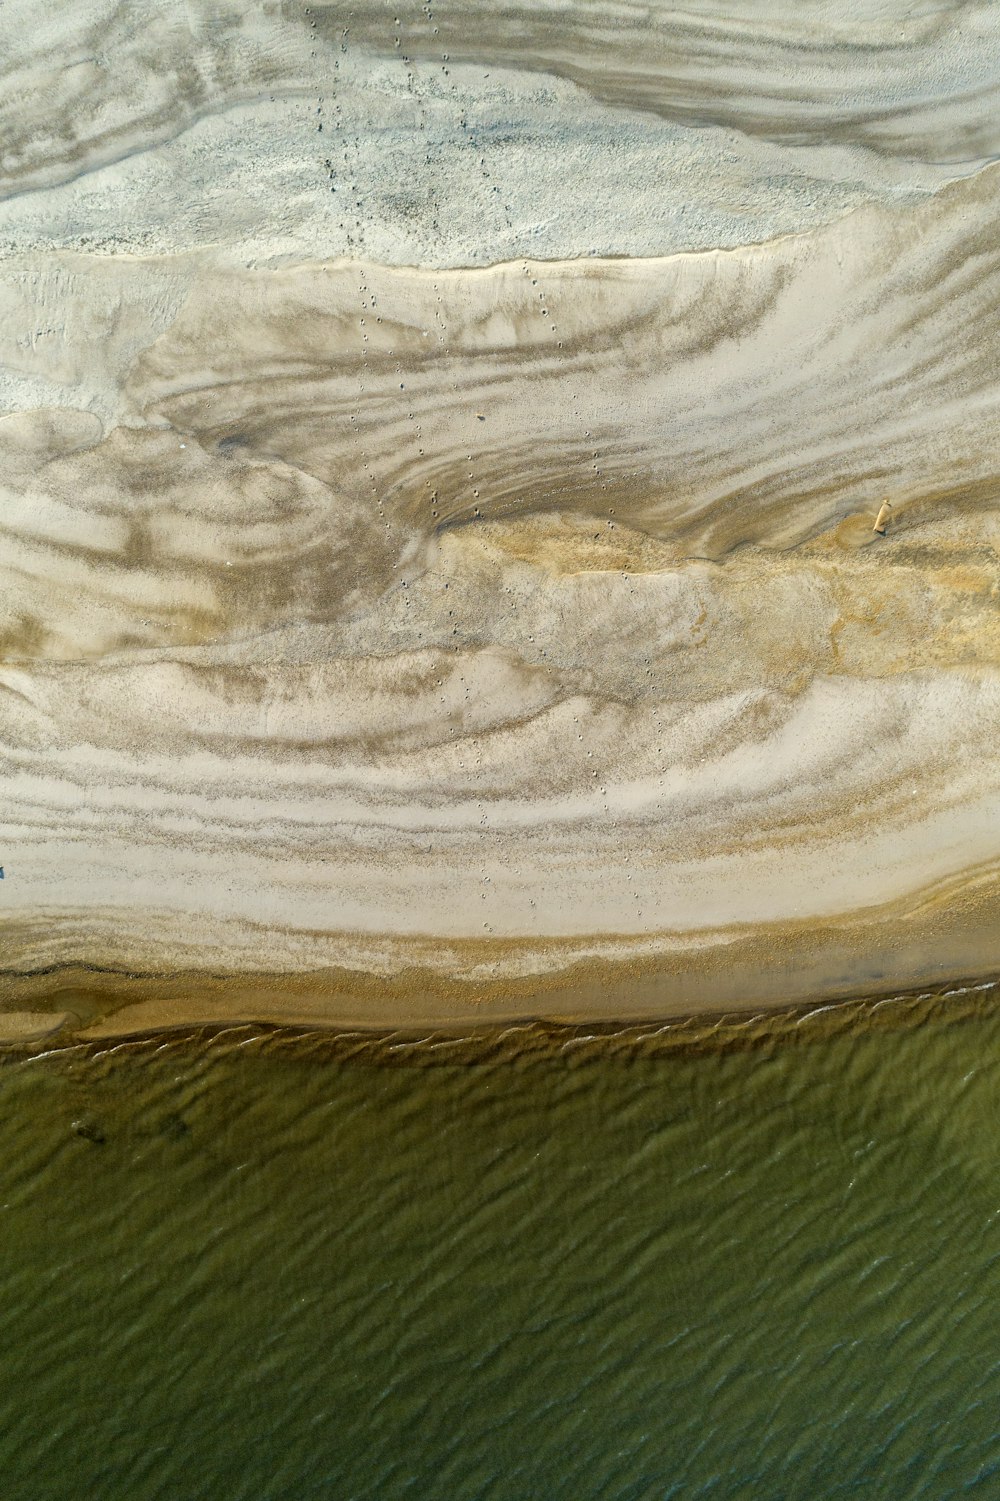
[757, 1259]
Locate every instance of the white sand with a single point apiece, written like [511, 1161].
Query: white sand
[368, 589]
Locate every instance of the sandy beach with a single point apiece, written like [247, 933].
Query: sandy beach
[440, 468]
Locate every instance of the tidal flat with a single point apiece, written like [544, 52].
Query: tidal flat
[499, 516]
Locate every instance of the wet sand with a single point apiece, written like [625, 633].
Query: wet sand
[440, 576]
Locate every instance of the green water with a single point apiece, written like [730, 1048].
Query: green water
[263, 1269]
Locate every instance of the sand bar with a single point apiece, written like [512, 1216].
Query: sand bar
[437, 503]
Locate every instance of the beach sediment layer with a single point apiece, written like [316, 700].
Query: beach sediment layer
[419, 612]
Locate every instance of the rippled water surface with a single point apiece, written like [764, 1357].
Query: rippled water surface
[264, 1267]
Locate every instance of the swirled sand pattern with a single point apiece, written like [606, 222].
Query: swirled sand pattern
[440, 476]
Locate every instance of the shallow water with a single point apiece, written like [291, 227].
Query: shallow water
[258, 1266]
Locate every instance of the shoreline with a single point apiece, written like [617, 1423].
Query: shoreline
[517, 1038]
[74, 1003]
[944, 938]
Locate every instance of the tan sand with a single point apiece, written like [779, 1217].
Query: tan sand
[411, 616]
